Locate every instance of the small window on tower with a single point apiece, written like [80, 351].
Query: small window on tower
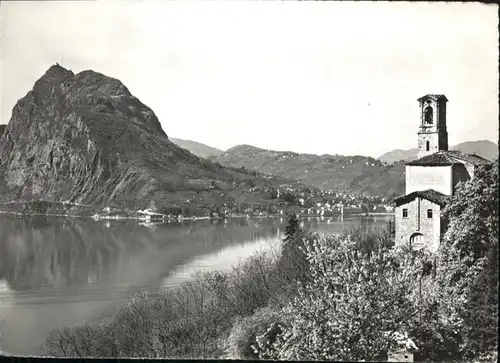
[405, 213]
[427, 146]
[429, 213]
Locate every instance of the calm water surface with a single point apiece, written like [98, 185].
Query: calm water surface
[57, 271]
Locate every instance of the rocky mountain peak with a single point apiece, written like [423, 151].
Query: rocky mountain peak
[54, 76]
[84, 139]
[78, 130]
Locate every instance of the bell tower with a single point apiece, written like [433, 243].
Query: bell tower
[432, 134]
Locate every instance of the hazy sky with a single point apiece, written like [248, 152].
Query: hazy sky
[316, 77]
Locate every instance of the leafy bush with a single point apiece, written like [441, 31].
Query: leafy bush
[82, 341]
[352, 307]
[129, 332]
[468, 265]
[191, 321]
[246, 289]
[369, 239]
[242, 342]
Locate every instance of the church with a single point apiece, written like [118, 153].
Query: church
[430, 179]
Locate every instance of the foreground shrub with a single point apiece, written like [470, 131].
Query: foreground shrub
[191, 321]
[468, 265]
[130, 332]
[242, 342]
[354, 307]
[82, 341]
[249, 287]
[367, 239]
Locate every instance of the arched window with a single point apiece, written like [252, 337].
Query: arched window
[417, 241]
[427, 145]
[428, 115]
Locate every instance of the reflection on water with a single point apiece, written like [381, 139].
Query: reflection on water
[56, 271]
[223, 260]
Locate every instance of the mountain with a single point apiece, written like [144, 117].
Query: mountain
[197, 148]
[357, 174]
[484, 148]
[83, 139]
[398, 155]
[2, 128]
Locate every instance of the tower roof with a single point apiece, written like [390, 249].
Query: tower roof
[435, 97]
[429, 194]
[449, 157]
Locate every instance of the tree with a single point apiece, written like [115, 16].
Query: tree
[355, 306]
[369, 239]
[292, 228]
[480, 312]
[242, 342]
[293, 263]
[473, 216]
[468, 268]
[289, 198]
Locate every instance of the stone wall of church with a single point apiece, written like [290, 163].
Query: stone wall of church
[418, 222]
[433, 139]
[438, 178]
[437, 141]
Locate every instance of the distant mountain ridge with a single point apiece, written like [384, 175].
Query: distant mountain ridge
[197, 148]
[356, 174]
[484, 148]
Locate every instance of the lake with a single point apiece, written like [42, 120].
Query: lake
[64, 271]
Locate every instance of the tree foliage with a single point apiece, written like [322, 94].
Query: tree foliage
[289, 197]
[369, 239]
[293, 263]
[292, 228]
[251, 332]
[473, 217]
[354, 307]
[468, 264]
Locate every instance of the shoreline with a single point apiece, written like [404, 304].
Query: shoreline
[373, 214]
[149, 216]
[167, 220]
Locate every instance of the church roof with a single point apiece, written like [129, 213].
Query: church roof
[429, 194]
[469, 158]
[435, 97]
[449, 157]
